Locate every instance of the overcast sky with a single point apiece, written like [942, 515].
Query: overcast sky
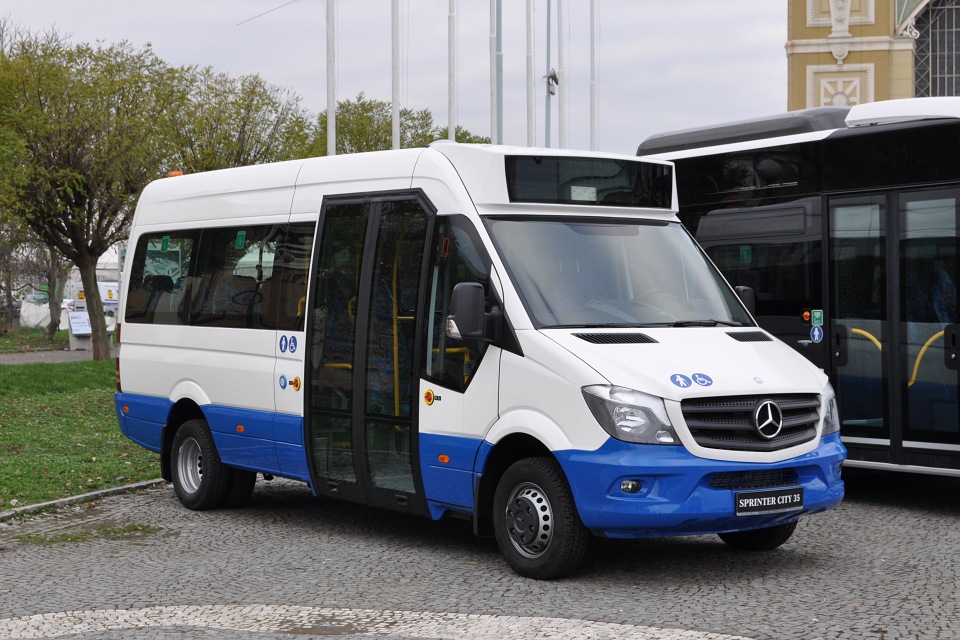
[662, 64]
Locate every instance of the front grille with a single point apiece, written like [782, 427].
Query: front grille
[727, 422]
[747, 480]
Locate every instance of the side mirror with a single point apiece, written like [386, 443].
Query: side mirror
[466, 320]
[748, 297]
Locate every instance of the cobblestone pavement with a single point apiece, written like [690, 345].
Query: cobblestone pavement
[884, 565]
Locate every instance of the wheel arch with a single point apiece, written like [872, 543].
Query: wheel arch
[504, 453]
[183, 410]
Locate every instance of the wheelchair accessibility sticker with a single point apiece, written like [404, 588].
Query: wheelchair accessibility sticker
[288, 343]
[682, 381]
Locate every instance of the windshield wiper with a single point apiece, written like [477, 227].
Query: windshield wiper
[595, 325]
[705, 323]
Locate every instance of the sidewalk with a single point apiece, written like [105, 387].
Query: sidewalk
[59, 355]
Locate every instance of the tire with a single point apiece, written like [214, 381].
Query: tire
[760, 539]
[535, 520]
[199, 478]
[240, 488]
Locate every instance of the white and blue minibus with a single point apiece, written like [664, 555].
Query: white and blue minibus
[527, 338]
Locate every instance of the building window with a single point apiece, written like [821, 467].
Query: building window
[938, 50]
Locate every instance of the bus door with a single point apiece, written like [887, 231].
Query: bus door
[927, 359]
[360, 414]
[857, 326]
[892, 272]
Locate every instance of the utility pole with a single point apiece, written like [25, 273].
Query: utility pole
[331, 78]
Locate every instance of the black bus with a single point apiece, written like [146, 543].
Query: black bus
[844, 221]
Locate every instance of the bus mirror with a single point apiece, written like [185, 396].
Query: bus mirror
[748, 297]
[467, 319]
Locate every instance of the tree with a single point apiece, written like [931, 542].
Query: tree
[231, 122]
[365, 124]
[89, 118]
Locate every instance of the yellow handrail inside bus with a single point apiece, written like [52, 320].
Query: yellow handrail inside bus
[868, 335]
[923, 350]
[916, 364]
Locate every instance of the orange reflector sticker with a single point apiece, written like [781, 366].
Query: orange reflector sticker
[240, 428]
[444, 458]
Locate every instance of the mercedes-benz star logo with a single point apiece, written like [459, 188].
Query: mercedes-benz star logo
[768, 419]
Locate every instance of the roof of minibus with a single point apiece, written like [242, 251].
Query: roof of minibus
[299, 185]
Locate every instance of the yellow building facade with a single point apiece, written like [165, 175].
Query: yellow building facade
[846, 52]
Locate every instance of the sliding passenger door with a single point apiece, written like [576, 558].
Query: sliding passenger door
[362, 346]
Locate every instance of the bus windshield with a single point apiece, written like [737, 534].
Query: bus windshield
[613, 273]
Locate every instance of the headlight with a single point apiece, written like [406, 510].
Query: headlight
[629, 415]
[831, 416]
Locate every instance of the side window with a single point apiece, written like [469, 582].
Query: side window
[234, 272]
[285, 293]
[458, 256]
[158, 276]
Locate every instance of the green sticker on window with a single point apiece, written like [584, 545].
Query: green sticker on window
[164, 243]
[746, 254]
[241, 239]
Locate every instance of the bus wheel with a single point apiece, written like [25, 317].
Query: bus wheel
[535, 520]
[760, 539]
[240, 489]
[199, 478]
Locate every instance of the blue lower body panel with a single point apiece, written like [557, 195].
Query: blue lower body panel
[254, 440]
[676, 496]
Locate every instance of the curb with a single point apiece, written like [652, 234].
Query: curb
[93, 495]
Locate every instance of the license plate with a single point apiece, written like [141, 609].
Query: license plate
[749, 503]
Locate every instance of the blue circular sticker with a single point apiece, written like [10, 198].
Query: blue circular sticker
[702, 379]
[816, 333]
[283, 382]
[293, 343]
[283, 343]
[680, 380]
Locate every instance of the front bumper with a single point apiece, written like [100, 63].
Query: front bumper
[676, 496]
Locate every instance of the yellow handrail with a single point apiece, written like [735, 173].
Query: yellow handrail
[869, 335]
[916, 364]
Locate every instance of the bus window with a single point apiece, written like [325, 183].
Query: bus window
[285, 289]
[458, 256]
[160, 265]
[232, 264]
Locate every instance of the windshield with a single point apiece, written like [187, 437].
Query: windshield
[613, 273]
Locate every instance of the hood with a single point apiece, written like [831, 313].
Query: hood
[687, 362]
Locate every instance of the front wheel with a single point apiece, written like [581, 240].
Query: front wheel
[535, 520]
[760, 539]
[199, 478]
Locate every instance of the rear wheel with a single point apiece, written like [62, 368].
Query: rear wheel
[760, 539]
[535, 520]
[199, 478]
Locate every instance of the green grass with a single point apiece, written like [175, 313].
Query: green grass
[32, 340]
[59, 435]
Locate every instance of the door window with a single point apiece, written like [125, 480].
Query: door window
[928, 303]
[457, 256]
[858, 282]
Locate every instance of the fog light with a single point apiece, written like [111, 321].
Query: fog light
[630, 486]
